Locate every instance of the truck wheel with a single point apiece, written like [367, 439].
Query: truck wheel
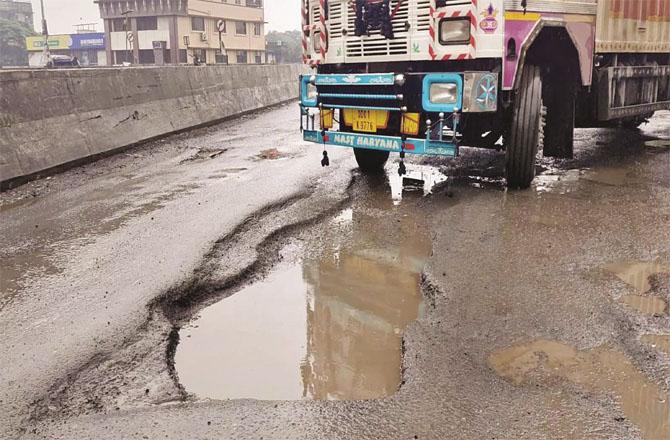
[525, 132]
[371, 161]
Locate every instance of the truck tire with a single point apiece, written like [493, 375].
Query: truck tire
[525, 133]
[371, 161]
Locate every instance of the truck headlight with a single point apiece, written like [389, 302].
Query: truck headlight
[455, 31]
[308, 92]
[443, 93]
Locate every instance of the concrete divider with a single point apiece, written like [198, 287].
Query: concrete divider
[52, 118]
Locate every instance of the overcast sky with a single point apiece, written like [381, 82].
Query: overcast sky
[62, 15]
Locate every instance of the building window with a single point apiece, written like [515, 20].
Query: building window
[255, 3]
[241, 57]
[199, 56]
[147, 56]
[221, 59]
[147, 23]
[240, 28]
[257, 29]
[258, 58]
[198, 24]
[123, 56]
[119, 25]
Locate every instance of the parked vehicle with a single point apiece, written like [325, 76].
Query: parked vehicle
[430, 76]
[56, 61]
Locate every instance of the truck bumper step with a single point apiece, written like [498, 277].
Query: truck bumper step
[382, 143]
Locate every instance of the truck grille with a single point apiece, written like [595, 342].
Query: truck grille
[376, 44]
[341, 17]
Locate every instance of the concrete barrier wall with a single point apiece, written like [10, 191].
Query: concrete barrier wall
[51, 118]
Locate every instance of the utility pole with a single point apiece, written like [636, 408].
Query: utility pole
[125, 29]
[45, 33]
[221, 26]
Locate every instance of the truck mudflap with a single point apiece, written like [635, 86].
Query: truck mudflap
[393, 144]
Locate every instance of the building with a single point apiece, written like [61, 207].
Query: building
[88, 47]
[179, 31]
[17, 11]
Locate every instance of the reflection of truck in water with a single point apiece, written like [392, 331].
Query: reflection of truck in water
[427, 76]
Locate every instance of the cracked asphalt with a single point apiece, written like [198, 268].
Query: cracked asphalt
[528, 296]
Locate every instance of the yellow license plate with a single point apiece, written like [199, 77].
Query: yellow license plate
[367, 121]
[368, 126]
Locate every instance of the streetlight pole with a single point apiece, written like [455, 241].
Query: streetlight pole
[221, 26]
[45, 32]
[125, 30]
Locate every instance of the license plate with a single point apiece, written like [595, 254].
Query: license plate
[369, 121]
[365, 120]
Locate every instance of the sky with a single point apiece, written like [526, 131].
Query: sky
[62, 15]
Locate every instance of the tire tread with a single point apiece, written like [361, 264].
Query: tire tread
[526, 127]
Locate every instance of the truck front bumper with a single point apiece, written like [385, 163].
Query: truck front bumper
[382, 143]
[435, 101]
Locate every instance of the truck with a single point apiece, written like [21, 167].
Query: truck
[428, 77]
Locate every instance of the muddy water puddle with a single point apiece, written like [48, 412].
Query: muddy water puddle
[637, 274]
[566, 181]
[329, 328]
[602, 370]
[646, 305]
[326, 326]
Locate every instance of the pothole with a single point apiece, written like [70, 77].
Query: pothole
[326, 325]
[327, 328]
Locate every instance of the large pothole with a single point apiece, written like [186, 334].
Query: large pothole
[326, 323]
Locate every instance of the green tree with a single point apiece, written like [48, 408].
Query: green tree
[287, 46]
[13, 43]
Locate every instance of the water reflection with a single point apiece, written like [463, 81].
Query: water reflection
[357, 308]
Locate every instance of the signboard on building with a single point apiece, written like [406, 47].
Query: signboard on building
[88, 41]
[94, 41]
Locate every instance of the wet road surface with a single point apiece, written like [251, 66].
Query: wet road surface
[205, 286]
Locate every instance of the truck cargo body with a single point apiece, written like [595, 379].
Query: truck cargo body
[427, 76]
